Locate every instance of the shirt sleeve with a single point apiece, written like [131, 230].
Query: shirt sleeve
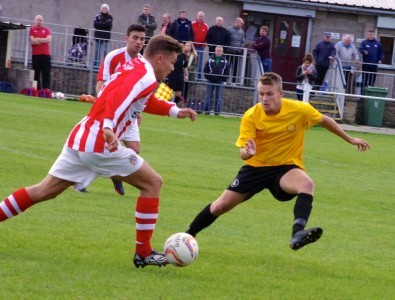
[159, 107]
[247, 130]
[313, 115]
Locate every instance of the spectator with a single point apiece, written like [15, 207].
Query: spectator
[176, 79]
[373, 54]
[262, 46]
[200, 30]
[237, 39]
[251, 33]
[217, 35]
[347, 53]
[324, 52]
[40, 37]
[191, 57]
[166, 22]
[148, 21]
[181, 29]
[216, 71]
[103, 26]
[305, 75]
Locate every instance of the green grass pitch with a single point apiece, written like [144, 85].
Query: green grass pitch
[80, 246]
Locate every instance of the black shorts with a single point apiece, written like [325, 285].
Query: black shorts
[252, 180]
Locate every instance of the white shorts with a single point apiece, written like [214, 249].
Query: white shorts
[133, 134]
[84, 167]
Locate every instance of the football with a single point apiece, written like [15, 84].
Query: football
[59, 95]
[181, 249]
[87, 98]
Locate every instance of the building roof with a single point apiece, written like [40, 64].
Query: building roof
[373, 4]
[11, 26]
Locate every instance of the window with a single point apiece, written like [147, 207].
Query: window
[388, 47]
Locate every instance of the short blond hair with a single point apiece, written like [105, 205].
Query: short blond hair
[271, 78]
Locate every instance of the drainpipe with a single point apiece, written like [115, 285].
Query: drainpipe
[27, 45]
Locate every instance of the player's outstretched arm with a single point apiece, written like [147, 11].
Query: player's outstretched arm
[333, 127]
[187, 113]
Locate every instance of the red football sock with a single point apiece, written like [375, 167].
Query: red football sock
[16, 203]
[146, 216]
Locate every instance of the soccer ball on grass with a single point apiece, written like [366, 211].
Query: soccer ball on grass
[181, 249]
[57, 95]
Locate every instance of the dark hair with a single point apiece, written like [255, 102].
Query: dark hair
[271, 78]
[162, 43]
[135, 27]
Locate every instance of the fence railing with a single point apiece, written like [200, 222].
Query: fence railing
[77, 76]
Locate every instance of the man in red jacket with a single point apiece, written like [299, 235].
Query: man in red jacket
[200, 30]
[93, 149]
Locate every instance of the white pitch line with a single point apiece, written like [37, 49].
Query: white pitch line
[26, 154]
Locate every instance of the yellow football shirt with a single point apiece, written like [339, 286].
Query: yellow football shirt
[279, 139]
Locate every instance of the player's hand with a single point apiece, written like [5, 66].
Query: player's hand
[250, 147]
[362, 145]
[187, 113]
[111, 139]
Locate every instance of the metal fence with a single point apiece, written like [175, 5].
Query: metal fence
[77, 76]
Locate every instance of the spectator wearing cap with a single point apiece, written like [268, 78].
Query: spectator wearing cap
[373, 54]
[148, 21]
[324, 52]
[103, 26]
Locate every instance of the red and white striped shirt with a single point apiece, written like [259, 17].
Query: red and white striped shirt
[121, 99]
[112, 62]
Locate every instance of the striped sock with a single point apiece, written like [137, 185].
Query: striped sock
[16, 203]
[146, 216]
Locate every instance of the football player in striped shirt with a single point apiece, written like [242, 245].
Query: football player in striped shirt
[93, 148]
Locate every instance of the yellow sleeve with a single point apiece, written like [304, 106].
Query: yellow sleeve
[247, 129]
[313, 115]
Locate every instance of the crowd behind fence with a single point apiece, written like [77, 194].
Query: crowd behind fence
[239, 93]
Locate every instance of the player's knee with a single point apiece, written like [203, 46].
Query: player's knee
[307, 186]
[156, 182]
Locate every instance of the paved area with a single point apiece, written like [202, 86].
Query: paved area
[368, 129]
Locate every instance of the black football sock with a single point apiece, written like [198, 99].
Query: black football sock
[204, 219]
[302, 210]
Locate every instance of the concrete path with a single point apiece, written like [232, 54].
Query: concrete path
[368, 129]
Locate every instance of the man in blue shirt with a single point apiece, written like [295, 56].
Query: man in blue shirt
[373, 54]
[181, 29]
